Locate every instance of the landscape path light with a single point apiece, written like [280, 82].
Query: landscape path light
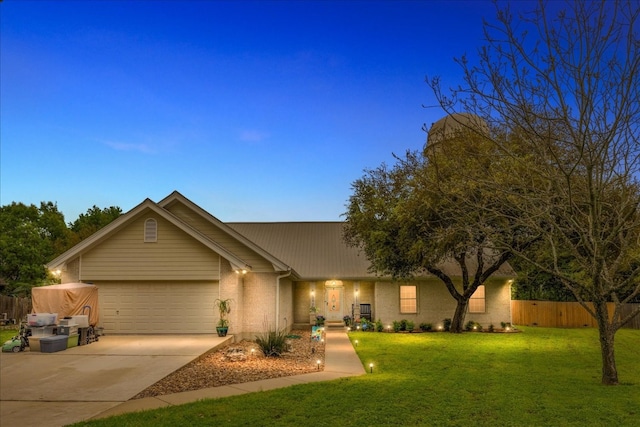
[371, 368]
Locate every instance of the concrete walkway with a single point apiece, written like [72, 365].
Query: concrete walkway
[341, 360]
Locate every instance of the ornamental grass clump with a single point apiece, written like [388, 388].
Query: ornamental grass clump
[272, 343]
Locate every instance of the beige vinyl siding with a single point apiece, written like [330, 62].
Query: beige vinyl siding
[125, 256]
[257, 262]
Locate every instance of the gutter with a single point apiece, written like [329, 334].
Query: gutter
[282, 276]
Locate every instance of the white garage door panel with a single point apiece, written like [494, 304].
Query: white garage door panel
[156, 308]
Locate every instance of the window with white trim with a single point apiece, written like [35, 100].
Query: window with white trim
[408, 299]
[150, 231]
[477, 302]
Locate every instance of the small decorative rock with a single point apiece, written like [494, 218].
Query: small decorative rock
[236, 354]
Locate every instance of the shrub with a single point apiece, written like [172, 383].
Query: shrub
[426, 327]
[473, 326]
[505, 325]
[403, 325]
[379, 326]
[410, 325]
[347, 320]
[365, 324]
[396, 326]
[446, 324]
[491, 328]
[272, 343]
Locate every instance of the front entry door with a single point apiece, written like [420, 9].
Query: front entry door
[334, 304]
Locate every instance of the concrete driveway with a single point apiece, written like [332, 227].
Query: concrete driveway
[56, 389]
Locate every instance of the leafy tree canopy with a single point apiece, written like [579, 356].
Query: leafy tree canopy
[93, 220]
[30, 236]
[410, 219]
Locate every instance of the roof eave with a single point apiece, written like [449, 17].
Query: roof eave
[278, 265]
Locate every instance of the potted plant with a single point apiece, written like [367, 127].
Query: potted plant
[312, 315]
[224, 308]
[347, 320]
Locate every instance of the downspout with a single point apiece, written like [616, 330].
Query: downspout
[282, 276]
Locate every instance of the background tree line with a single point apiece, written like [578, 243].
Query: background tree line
[31, 236]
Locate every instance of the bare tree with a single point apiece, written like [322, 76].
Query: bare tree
[561, 94]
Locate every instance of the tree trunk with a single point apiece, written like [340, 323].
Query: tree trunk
[457, 323]
[607, 335]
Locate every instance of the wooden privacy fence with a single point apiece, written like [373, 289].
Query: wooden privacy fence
[16, 308]
[555, 314]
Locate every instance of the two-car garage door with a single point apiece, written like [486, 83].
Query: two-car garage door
[157, 307]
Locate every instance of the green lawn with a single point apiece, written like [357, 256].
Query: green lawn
[541, 377]
[7, 334]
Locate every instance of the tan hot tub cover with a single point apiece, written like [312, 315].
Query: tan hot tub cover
[67, 299]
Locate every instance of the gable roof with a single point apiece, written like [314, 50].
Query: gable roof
[125, 219]
[175, 197]
[310, 250]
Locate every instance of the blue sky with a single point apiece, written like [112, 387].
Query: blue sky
[256, 111]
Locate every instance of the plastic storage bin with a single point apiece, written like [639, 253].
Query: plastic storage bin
[72, 340]
[34, 343]
[53, 344]
[42, 331]
[68, 330]
[42, 319]
[82, 320]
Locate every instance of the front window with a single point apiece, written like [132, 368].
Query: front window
[408, 299]
[477, 301]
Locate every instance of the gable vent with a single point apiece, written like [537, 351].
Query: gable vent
[150, 230]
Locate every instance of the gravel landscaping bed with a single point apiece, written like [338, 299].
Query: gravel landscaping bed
[237, 363]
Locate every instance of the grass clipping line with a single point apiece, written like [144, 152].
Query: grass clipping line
[218, 368]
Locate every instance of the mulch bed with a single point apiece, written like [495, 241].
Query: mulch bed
[237, 363]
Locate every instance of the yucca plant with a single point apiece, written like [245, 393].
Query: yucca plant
[272, 343]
